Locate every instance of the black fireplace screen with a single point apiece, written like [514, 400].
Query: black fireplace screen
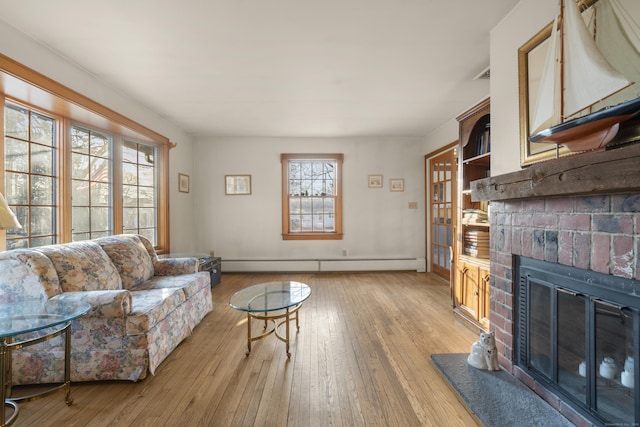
[578, 333]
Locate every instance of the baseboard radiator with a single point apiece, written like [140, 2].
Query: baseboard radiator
[324, 265]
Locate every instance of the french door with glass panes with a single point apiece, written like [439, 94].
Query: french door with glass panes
[442, 201]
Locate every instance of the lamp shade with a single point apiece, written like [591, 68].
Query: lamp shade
[7, 217]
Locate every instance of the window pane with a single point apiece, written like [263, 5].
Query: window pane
[147, 217]
[79, 193]
[99, 169]
[76, 237]
[17, 244]
[42, 129]
[16, 122]
[145, 176]
[41, 159]
[22, 213]
[147, 197]
[16, 155]
[130, 152]
[307, 221]
[130, 195]
[100, 194]
[42, 241]
[99, 219]
[17, 188]
[129, 174]
[130, 218]
[42, 220]
[80, 219]
[42, 190]
[79, 140]
[146, 156]
[150, 234]
[80, 166]
[100, 145]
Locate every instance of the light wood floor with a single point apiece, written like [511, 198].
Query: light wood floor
[361, 358]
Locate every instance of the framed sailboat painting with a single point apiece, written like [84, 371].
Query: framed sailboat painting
[577, 85]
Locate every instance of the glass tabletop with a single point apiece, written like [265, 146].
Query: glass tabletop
[33, 315]
[270, 296]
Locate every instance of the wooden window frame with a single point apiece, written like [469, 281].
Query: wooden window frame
[24, 86]
[286, 232]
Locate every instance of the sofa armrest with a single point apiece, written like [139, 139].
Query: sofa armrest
[104, 304]
[175, 266]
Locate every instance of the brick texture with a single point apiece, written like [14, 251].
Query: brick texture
[598, 233]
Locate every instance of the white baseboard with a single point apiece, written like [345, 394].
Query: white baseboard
[327, 265]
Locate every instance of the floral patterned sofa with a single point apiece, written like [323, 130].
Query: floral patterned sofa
[142, 307]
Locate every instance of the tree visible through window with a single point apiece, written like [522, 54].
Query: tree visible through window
[30, 163]
[311, 196]
[139, 211]
[91, 184]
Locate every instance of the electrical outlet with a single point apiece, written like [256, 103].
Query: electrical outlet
[413, 205]
[345, 252]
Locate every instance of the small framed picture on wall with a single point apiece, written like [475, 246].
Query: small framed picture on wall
[396, 184]
[375, 181]
[183, 183]
[237, 185]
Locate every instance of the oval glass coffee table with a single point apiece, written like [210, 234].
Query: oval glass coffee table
[276, 302]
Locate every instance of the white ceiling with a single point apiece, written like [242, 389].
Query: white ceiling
[278, 67]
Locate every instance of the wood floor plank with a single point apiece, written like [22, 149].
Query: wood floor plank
[361, 358]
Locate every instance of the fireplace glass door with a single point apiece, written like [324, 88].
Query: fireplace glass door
[580, 338]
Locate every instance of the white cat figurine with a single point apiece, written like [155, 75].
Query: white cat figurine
[484, 354]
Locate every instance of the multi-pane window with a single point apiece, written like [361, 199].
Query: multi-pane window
[36, 192]
[30, 163]
[139, 200]
[91, 184]
[312, 198]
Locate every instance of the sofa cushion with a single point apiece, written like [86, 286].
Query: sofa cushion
[129, 255]
[82, 266]
[150, 307]
[26, 274]
[190, 284]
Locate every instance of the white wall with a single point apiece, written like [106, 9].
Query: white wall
[443, 135]
[181, 205]
[522, 23]
[22, 49]
[377, 223]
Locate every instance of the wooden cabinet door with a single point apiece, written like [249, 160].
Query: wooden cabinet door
[469, 289]
[484, 299]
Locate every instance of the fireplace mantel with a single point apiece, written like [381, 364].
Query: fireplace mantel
[613, 171]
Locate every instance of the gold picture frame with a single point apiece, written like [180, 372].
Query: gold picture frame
[375, 181]
[531, 57]
[237, 185]
[183, 183]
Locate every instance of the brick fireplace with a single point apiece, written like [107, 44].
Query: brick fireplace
[581, 212]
